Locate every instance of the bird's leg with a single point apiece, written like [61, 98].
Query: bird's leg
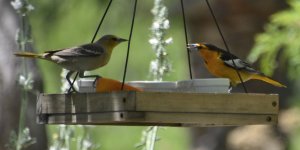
[81, 75]
[230, 88]
[71, 89]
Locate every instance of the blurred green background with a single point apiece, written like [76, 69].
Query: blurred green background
[58, 24]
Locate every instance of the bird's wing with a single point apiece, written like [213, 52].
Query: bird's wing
[238, 63]
[86, 50]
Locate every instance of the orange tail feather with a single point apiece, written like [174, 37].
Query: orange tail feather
[268, 80]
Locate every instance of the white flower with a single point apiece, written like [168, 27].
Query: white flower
[22, 80]
[169, 40]
[22, 7]
[62, 125]
[27, 83]
[17, 4]
[53, 148]
[160, 65]
[154, 65]
[155, 25]
[29, 7]
[153, 41]
[87, 144]
[166, 24]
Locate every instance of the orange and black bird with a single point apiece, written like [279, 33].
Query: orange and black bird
[80, 58]
[220, 63]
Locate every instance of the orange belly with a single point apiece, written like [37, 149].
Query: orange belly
[217, 68]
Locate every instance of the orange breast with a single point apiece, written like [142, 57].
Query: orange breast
[217, 67]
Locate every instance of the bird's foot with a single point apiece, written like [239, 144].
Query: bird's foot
[95, 81]
[72, 90]
[229, 88]
[81, 75]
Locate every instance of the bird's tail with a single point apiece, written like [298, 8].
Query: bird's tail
[268, 80]
[28, 54]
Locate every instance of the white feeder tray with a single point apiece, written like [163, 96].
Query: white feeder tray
[212, 85]
[86, 86]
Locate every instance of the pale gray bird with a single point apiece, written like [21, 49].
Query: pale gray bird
[80, 58]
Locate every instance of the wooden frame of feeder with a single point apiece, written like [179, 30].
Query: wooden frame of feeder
[158, 108]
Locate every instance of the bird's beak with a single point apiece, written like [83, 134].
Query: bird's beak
[122, 40]
[193, 47]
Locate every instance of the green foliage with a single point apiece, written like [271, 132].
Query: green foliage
[20, 141]
[280, 42]
[124, 137]
[294, 142]
[73, 137]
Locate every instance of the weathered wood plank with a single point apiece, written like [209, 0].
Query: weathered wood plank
[211, 119]
[90, 118]
[203, 102]
[169, 119]
[86, 102]
[158, 108]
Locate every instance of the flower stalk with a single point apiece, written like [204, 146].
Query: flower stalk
[160, 66]
[24, 42]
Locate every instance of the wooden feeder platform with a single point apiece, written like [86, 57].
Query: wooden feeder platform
[158, 108]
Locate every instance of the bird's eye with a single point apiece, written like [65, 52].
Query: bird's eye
[115, 39]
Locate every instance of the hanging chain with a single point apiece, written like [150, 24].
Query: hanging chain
[186, 40]
[129, 42]
[101, 21]
[225, 43]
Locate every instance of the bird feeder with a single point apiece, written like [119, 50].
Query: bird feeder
[192, 103]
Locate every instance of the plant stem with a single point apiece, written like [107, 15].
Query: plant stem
[23, 35]
[160, 66]
[152, 138]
